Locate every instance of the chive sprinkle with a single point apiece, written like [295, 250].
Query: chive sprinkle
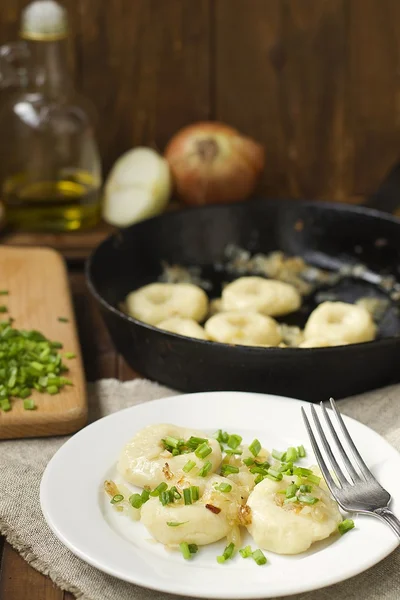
[187, 496]
[29, 404]
[193, 548]
[301, 451]
[3, 292]
[222, 436]
[278, 455]
[223, 487]
[249, 461]
[195, 493]
[291, 490]
[3, 309]
[229, 469]
[227, 553]
[70, 355]
[116, 499]
[234, 441]
[291, 455]
[205, 469]
[184, 548]
[189, 466]
[305, 499]
[63, 320]
[246, 552]
[135, 500]
[255, 447]
[306, 473]
[145, 495]
[160, 488]
[345, 526]
[232, 452]
[176, 523]
[203, 450]
[259, 557]
[5, 405]
[305, 489]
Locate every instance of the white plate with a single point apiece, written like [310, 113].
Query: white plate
[78, 511]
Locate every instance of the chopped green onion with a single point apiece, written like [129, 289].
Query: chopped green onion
[232, 452]
[29, 404]
[70, 355]
[307, 473]
[63, 319]
[256, 469]
[291, 499]
[135, 500]
[234, 441]
[3, 292]
[229, 469]
[278, 455]
[305, 489]
[222, 436]
[194, 442]
[145, 495]
[301, 451]
[286, 467]
[291, 454]
[249, 461]
[259, 557]
[291, 490]
[189, 466]
[5, 405]
[274, 475]
[160, 488]
[3, 309]
[205, 469]
[117, 498]
[203, 450]
[193, 548]
[246, 552]
[263, 465]
[223, 487]
[345, 526]
[259, 479]
[227, 554]
[187, 496]
[307, 499]
[176, 523]
[184, 548]
[172, 442]
[165, 498]
[255, 447]
[174, 493]
[195, 492]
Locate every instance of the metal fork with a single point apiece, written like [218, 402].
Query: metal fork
[357, 490]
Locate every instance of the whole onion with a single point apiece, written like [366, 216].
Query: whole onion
[214, 163]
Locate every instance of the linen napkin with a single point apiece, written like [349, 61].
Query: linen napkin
[22, 463]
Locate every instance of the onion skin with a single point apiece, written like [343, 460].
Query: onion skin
[213, 163]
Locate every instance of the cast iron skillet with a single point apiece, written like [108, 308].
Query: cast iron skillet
[330, 234]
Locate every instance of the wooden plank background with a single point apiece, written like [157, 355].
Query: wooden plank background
[317, 81]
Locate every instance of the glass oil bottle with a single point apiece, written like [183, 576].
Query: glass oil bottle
[50, 171]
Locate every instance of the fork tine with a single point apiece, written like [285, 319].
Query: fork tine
[326, 446]
[320, 460]
[358, 458]
[354, 476]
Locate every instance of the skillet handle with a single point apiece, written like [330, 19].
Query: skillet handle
[387, 196]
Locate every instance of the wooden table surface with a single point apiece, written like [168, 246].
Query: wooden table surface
[19, 581]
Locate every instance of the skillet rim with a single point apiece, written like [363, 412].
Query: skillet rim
[336, 206]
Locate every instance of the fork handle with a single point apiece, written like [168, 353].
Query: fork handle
[385, 514]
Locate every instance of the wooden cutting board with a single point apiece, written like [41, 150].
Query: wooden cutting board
[36, 279]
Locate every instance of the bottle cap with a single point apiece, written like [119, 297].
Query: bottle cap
[44, 20]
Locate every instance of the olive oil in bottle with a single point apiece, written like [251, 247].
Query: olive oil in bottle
[50, 165]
